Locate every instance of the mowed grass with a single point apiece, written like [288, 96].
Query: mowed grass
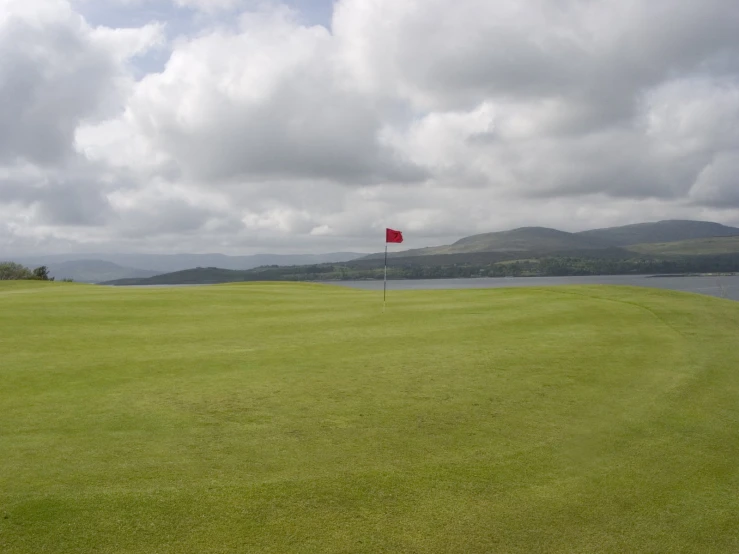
[300, 418]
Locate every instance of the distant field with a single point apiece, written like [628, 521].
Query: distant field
[716, 245]
[300, 418]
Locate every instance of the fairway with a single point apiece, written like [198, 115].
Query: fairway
[276, 417]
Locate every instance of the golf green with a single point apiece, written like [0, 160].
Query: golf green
[276, 417]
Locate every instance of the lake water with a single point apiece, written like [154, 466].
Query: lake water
[723, 287]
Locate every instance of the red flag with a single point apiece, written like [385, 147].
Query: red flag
[391, 235]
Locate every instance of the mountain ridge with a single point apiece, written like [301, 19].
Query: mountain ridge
[643, 241]
[546, 239]
[666, 230]
[96, 271]
[77, 266]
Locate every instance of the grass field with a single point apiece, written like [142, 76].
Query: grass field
[300, 418]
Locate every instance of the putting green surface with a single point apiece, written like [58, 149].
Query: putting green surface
[300, 418]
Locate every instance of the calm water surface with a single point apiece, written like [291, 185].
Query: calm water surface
[724, 286]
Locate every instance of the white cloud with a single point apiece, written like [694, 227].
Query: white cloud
[56, 72]
[717, 184]
[262, 101]
[210, 6]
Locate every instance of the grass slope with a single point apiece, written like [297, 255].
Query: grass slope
[299, 418]
[715, 245]
[669, 230]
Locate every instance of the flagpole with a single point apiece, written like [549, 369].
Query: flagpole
[384, 284]
[391, 235]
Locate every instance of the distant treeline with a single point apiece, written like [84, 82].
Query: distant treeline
[541, 267]
[11, 271]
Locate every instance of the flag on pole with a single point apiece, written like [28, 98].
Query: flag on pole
[391, 235]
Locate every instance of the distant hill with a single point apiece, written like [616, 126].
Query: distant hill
[526, 239]
[95, 271]
[694, 247]
[670, 230]
[421, 260]
[198, 275]
[165, 263]
[642, 248]
[541, 240]
[606, 261]
[523, 239]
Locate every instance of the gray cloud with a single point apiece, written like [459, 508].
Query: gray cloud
[718, 183]
[51, 77]
[599, 55]
[297, 133]
[73, 204]
[175, 216]
[75, 200]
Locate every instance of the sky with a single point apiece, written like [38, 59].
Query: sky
[247, 126]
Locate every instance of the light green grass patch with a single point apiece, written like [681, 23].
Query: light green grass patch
[300, 418]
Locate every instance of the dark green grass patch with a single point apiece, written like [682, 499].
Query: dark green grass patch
[300, 418]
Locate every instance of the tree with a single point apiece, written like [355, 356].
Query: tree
[11, 271]
[42, 273]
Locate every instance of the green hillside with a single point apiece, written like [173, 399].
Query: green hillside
[659, 232]
[300, 418]
[542, 240]
[524, 239]
[197, 276]
[603, 261]
[714, 245]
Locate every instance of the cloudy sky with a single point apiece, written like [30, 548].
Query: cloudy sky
[244, 126]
